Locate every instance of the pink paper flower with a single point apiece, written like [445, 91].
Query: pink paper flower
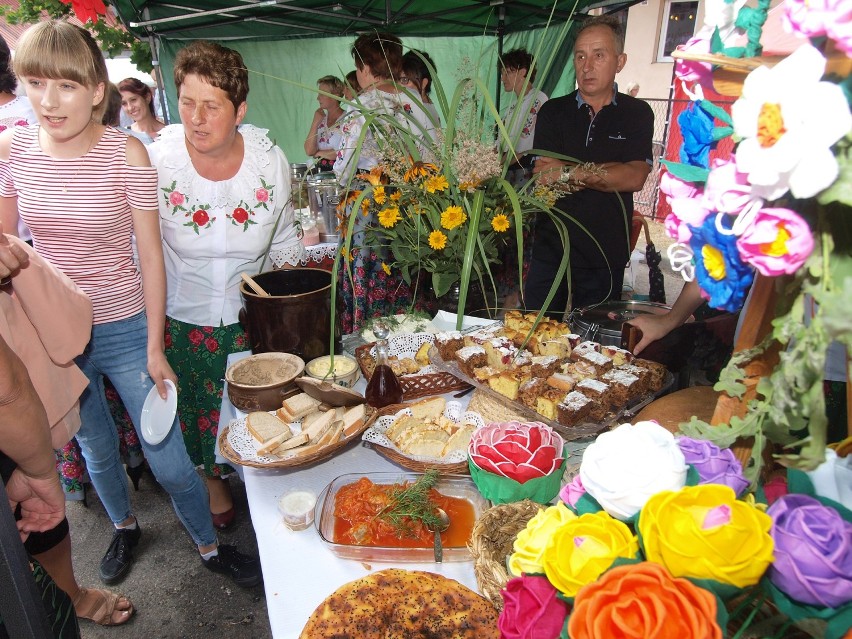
[690, 71]
[812, 18]
[778, 241]
[572, 491]
[531, 609]
[727, 190]
[519, 451]
[686, 202]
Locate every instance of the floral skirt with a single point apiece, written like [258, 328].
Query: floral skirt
[199, 356]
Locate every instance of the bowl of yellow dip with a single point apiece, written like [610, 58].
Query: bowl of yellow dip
[345, 372]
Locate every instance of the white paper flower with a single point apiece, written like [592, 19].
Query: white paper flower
[788, 120]
[625, 466]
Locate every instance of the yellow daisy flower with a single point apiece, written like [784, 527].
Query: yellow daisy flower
[379, 196]
[396, 196]
[388, 217]
[436, 183]
[452, 217]
[386, 268]
[351, 196]
[419, 169]
[469, 186]
[437, 240]
[500, 223]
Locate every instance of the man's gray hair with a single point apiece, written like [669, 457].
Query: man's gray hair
[612, 23]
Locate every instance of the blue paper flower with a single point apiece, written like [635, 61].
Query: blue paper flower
[723, 277]
[696, 126]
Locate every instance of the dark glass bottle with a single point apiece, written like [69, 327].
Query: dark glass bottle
[383, 388]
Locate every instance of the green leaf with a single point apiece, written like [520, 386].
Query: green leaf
[686, 172]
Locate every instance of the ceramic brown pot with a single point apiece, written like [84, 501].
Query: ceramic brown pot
[295, 317]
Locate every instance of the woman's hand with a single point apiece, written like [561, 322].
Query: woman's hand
[653, 327]
[160, 370]
[41, 498]
[12, 257]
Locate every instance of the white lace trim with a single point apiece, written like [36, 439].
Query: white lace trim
[171, 154]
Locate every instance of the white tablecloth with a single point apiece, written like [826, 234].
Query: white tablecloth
[299, 570]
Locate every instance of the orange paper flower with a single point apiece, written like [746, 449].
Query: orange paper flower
[643, 601]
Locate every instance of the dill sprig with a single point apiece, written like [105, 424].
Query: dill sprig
[412, 503]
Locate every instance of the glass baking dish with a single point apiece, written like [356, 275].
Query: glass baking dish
[450, 485]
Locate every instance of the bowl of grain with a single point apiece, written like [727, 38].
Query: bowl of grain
[261, 381]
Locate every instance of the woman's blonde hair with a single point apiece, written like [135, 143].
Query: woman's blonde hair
[61, 51]
[334, 84]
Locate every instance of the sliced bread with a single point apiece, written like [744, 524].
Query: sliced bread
[319, 426]
[429, 408]
[353, 419]
[294, 442]
[295, 407]
[265, 427]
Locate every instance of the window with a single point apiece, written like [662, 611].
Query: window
[678, 26]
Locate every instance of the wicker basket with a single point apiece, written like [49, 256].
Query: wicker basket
[413, 386]
[459, 468]
[491, 541]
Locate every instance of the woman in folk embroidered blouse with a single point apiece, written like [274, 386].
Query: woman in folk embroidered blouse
[224, 197]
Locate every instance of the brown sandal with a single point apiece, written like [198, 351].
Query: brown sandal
[101, 610]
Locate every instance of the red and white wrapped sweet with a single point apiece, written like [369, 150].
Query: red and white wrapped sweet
[518, 450]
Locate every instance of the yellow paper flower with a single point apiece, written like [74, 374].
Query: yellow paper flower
[386, 268]
[419, 169]
[452, 217]
[389, 216]
[581, 550]
[379, 196]
[396, 196]
[532, 540]
[437, 240]
[704, 532]
[500, 223]
[436, 183]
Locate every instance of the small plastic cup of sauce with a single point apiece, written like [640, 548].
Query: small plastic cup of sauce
[297, 508]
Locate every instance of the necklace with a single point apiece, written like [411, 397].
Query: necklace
[84, 157]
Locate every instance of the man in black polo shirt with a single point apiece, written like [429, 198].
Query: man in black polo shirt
[613, 130]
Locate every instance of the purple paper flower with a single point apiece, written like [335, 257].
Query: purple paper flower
[696, 127]
[777, 242]
[531, 609]
[714, 465]
[813, 552]
[723, 277]
[572, 491]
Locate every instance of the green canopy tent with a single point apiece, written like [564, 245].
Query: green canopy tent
[288, 44]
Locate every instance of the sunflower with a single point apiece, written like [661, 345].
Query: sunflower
[500, 223]
[437, 240]
[386, 268]
[436, 183]
[379, 196]
[389, 216]
[419, 169]
[452, 217]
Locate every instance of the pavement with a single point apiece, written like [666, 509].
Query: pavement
[175, 596]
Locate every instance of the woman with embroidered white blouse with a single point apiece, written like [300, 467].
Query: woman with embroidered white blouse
[224, 203]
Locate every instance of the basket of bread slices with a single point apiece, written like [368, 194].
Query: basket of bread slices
[409, 360]
[430, 433]
[311, 424]
[547, 373]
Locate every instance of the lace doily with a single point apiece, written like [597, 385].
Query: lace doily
[405, 345]
[246, 446]
[453, 411]
[307, 255]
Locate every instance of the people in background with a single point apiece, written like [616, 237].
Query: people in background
[325, 132]
[517, 74]
[612, 130]
[351, 88]
[84, 189]
[224, 203]
[417, 76]
[137, 100]
[632, 89]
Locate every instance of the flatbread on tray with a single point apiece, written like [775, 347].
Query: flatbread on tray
[403, 603]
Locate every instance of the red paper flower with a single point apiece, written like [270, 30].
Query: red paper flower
[518, 451]
[87, 9]
[531, 609]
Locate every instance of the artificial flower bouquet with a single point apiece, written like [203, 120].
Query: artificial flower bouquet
[658, 537]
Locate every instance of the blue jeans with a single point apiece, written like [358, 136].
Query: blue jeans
[118, 350]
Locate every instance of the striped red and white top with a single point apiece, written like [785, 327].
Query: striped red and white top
[79, 213]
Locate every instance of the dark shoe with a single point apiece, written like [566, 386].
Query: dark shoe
[119, 555]
[224, 520]
[244, 570]
[135, 473]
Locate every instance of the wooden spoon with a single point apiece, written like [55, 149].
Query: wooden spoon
[254, 285]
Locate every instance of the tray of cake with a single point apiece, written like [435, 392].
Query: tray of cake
[550, 373]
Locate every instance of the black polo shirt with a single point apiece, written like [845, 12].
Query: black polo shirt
[622, 131]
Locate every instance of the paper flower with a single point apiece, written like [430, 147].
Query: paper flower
[519, 451]
[778, 241]
[621, 469]
[582, 549]
[789, 120]
[696, 127]
[714, 465]
[833, 478]
[723, 277]
[87, 9]
[727, 189]
[703, 532]
[813, 18]
[531, 609]
[533, 539]
[813, 551]
[643, 600]
[572, 491]
[691, 71]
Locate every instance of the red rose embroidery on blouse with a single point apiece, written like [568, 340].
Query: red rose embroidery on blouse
[200, 217]
[240, 215]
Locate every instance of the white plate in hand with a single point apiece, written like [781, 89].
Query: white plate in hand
[158, 413]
